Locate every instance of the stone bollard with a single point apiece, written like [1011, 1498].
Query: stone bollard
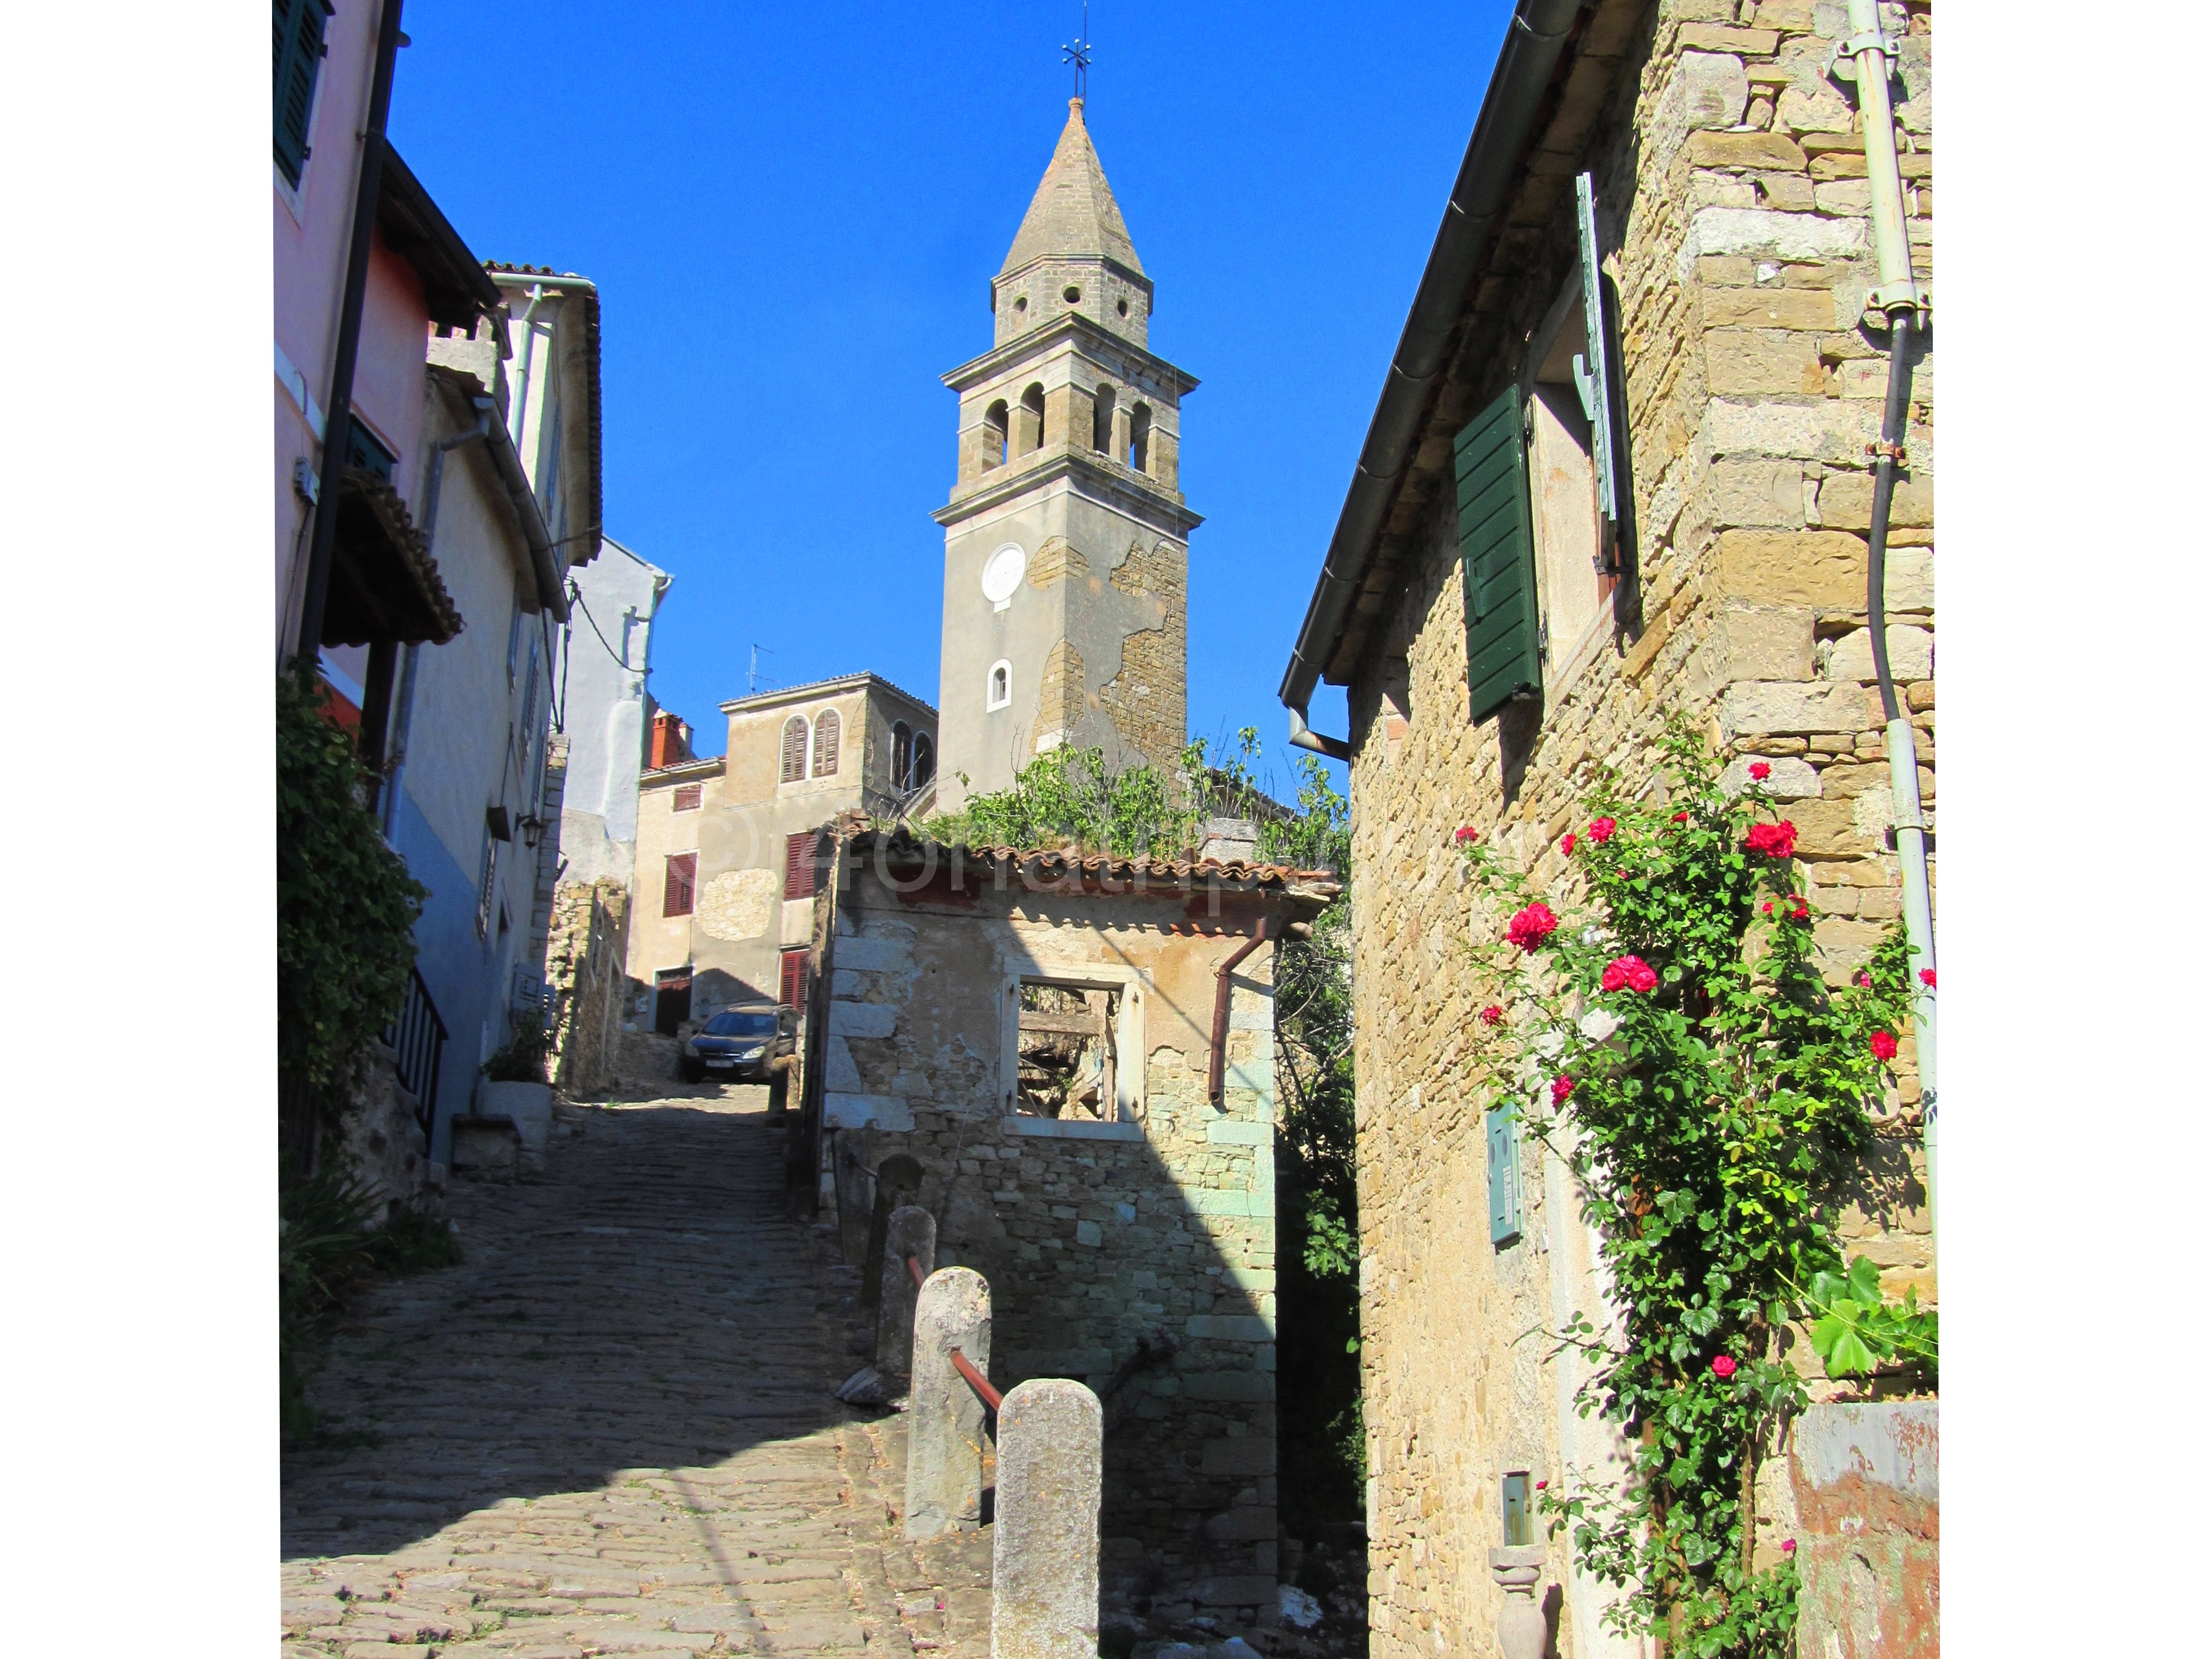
[1522, 1629]
[1044, 1548]
[945, 1419]
[910, 1231]
[898, 1181]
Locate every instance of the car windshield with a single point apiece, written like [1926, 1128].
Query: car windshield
[741, 1025]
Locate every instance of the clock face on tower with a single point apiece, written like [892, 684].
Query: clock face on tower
[1002, 575]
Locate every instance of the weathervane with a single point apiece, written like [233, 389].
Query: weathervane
[1079, 53]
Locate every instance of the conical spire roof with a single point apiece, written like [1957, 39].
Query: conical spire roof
[1073, 214]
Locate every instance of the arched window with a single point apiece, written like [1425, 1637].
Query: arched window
[994, 435]
[924, 759]
[901, 755]
[1032, 431]
[1140, 438]
[826, 733]
[999, 689]
[1102, 420]
[795, 749]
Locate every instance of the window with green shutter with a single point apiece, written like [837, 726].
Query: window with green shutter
[365, 450]
[296, 30]
[1502, 1137]
[1497, 557]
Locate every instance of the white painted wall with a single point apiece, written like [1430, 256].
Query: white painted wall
[608, 657]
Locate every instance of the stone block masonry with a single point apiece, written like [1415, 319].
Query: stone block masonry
[1140, 1224]
[1719, 147]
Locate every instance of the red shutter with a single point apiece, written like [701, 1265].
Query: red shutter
[793, 994]
[798, 865]
[676, 896]
[827, 731]
[688, 799]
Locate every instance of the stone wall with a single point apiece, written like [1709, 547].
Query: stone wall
[1096, 1235]
[585, 949]
[1726, 179]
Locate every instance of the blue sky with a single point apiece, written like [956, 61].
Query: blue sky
[793, 212]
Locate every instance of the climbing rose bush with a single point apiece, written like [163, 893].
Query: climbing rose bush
[1726, 1088]
[1533, 925]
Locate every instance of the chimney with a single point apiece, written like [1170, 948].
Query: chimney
[672, 742]
[1228, 841]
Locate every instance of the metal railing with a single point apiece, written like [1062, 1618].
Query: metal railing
[417, 1037]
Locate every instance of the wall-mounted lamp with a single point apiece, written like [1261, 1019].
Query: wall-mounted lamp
[533, 829]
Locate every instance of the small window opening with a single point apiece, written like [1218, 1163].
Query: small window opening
[1140, 438]
[828, 728]
[1121, 308]
[1071, 293]
[994, 435]
[1573, 584]
[901, 755]
[924, 759]
[1032, 427]
[1516, 1499]
[1102, 420]
[1065, 1042]
[689, 798]
[1001, 684]
[1021, 303]
[795, 749]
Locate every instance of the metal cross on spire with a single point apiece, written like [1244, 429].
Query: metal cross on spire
[1079, 53]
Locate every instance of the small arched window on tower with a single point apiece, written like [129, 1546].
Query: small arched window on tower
[924, 759]
[826, 733]
[994, 435]
[795, 749]
[1000, 685]
[1031, 435]
[1102, 420]
[901, 755]
[1140, 438]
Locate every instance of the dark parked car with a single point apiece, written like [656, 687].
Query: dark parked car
[738, 1043]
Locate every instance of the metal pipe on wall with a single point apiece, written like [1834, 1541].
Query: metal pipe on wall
[1898, 297]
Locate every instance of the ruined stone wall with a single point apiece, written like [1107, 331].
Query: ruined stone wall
[1726, 177]
[1094, 1236]
[586, 949]
[1146, 698]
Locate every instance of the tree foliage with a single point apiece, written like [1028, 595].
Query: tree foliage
[346, 904]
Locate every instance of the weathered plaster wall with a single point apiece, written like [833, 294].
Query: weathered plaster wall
[1094, 1236]
[1730, 182]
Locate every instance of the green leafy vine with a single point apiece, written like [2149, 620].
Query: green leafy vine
[1679, 1045]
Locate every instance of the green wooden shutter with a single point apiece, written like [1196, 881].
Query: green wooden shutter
[1497, 559]
[296, 42]
[1503, 1144]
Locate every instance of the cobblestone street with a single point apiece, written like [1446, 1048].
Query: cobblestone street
[611, 1430]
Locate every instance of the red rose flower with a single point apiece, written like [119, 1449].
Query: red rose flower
[1927, 978]
[1532, 927]
[1629, 974]
[1540, 1484]
[1679, 817]
[1561, 1088]
[1865, 981]
[1724, 1367]
[1767, 908]
[1760, 771]
[1567, 844]
[1773, 841]
[1789, 1546]
[1800, 912]
[1884, 1046]
[1464, 834]
[1601, 830]
[1492, 1014]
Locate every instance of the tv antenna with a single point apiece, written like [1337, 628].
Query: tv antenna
[753, 673]
[1079, 53]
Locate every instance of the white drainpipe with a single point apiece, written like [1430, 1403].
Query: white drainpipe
[529, 356]
[1899, 298]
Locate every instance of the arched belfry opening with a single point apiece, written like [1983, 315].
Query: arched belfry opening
[1031, 435]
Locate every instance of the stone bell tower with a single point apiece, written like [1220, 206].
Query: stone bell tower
[1067, 541]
